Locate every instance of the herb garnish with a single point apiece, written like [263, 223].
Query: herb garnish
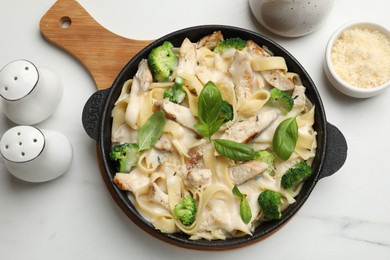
[285, 138]
[212, 110]
[233, 150]
[209, 106]
[245, 209]
[151, 131]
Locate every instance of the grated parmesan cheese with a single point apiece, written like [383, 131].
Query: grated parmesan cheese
[361, 57]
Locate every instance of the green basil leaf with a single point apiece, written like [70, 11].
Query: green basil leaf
[285, 138]
[237, 192]
[151, 131]
[245, 210]
[207, 130]
[209, 103]
[233, 150]
[226, 111]
[209, 110]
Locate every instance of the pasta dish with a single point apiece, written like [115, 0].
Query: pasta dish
[218, 142]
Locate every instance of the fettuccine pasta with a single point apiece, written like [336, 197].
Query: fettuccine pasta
[183, 162]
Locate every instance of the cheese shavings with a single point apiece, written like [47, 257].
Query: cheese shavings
[361, 57]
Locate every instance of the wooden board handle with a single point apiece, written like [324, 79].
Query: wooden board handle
[68, 25]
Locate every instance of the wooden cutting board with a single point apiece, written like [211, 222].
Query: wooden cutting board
[69, 26]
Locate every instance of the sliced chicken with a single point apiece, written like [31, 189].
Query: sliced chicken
[246, 171]
[210, 41]
[157, 195]
[195, 158]
[205, 57]
[256, 50]
[217, 214]
[132, 181]
[278, 79]
[144, 75]
[299, 97]
[180, 114]
[242, 74]
[141, 82]
[187, 57]
[199, 177]
[165, 144]
[243, 131]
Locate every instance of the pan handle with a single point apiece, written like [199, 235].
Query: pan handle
[336, 151]
[93, 112]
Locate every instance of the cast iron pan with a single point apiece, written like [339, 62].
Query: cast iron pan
[331, 152]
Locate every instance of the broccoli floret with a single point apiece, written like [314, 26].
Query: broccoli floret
[176, 93]
[295, 175]
[281, 99]
[125, 156]
[266, 157]
[236, 43]
[227, 111]
[162, 61]
[185, 211]
[269, 202]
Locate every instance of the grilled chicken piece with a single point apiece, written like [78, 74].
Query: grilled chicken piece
[141, 82]
[243, 131]
[199, 177]
[299, 97]
[205, 57]
[187, 57]
[242, 74]
[256, 50]
[165, 144]
[144, 75]
[276, 78]
[194, 159]
[131, 181]
[216, 214]
[155, 194]
[180, 114]
[210, 41]
[243, 172]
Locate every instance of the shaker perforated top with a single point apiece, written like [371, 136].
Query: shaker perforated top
[18, 79]
[22, 144]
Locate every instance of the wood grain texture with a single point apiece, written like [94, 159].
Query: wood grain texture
[68, 25]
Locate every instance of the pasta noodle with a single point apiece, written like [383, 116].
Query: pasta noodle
[182, 163]
[251, 106]
[269, 63]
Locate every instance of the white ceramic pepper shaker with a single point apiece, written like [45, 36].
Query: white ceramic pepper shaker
[29, 94]
[35, 155]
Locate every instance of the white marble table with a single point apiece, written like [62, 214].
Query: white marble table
[346, 217]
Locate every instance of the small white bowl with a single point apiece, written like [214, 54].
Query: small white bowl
[340, 84]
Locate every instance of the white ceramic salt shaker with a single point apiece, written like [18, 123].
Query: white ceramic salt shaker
[29, 95]
[291, 18]
[35, 155]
